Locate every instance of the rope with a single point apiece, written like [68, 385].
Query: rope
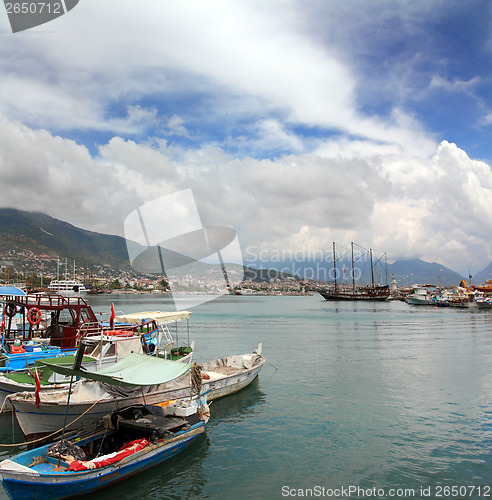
[53, 433]
[196, 379]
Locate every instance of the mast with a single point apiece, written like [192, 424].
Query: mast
[335, 266]
[224, 272]
[372, 268]
[353, 272]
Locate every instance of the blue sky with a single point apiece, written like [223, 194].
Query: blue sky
[297, 123]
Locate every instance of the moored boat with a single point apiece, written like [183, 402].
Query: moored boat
[423, 295]
[372, 292]
[99, 352]
[377, 292]
[92, 398]
[127, 441]
[67, 288]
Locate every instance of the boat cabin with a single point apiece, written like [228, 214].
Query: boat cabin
[60, 320]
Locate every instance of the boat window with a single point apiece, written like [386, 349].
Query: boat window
[67, 317]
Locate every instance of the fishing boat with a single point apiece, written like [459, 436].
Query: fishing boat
[145, 333]
[159, 340]
[127, 441]
[423, 295]
[484, 303]
[40, 326]
[485, 288]
[92, 398]
[99, 352]
[371, 292]
[37, 326]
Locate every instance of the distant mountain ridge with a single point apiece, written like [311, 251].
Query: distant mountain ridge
[408, 272]
[43, 234]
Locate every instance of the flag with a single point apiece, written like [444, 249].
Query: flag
[3, 321]
[111, 319]
[38, 387]
[3, 324]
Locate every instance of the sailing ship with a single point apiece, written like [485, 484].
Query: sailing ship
[356, 292]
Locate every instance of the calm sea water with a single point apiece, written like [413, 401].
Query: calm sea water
[384, 397]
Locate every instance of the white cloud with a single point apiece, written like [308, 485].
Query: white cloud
[439, 209]
[456, 85]
[270, 76]
[90, 62]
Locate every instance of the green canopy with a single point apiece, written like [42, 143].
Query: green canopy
[136, 370]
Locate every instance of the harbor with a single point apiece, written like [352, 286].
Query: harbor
[375, 395]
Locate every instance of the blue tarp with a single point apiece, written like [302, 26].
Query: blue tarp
[11, 290]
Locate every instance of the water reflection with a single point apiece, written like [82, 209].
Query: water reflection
[237, 407]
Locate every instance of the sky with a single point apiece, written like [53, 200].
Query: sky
[297, 123]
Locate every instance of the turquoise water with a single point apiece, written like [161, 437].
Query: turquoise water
[381, 396]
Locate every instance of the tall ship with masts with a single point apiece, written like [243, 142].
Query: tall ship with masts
[355, 292]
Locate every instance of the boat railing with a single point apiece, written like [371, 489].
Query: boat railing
[88, 329]
[46, 301]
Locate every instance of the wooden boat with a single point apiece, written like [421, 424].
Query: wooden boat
[159, 339]
[371, 292]
[379, 292]
[37, 326]
[55, 325]
[99, 352]
[485, 288]
[129, 441]
[92, 398]
[106, 343]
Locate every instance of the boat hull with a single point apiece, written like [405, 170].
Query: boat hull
[376, 295]
[56, 484]
[50, 417]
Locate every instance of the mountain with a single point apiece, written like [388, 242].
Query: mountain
[405, 272]
[408, 272]
[46, 235]
[483, 276]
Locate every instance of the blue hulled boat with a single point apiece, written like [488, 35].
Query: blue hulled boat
[127, 442]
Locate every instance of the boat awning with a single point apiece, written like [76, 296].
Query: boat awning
[159, 316]
[134, 370]
[11, 290]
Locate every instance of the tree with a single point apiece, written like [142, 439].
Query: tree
[115, 285]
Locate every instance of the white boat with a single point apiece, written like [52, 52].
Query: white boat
[423, 295]
[67, 288]
[160, 341]
[100, 352]
[92, 399]
[147, 332]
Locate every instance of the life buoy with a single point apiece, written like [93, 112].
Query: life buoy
[17, 349]
[34, 316]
